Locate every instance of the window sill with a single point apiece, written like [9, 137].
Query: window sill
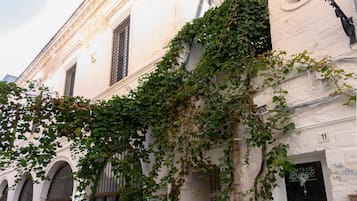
[289, 6]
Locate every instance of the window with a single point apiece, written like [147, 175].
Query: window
[203, 186]
[306, 183]
[26, 191]
[120, 51]
[61, 185]
[69, 84]
[109, 185]
[3, 196]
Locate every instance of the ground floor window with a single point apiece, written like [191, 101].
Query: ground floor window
[27, 190]
[61, 187]
[3, 196]
[306, 183]
[109, 185]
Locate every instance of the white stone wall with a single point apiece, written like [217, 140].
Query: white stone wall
[86, 41]
[309, 25]
[326, 130]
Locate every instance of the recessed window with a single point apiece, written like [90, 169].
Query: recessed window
[27, 190]
[69, 84]
[306, 182]
[61, 187]
[204, 185]
[120, 51]
[3, 196]
[110, 185]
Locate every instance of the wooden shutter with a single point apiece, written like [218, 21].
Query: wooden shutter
[27, 191]
[61, 185]
[120, 55]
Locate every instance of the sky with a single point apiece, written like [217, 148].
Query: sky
[26, 26]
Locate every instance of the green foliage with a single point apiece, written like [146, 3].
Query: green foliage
[187, 113]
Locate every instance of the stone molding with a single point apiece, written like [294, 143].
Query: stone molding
[73, 24]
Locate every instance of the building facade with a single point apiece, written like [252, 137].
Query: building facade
[326, 130]
[104, 48]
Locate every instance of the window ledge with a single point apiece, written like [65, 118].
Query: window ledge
[287, 5]
[126, 81]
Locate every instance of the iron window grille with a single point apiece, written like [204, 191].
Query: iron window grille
[109, 184]
[120, 55]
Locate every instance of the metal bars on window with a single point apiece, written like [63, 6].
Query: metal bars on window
[120, 56]
[109, 184]
[61, 185]
[214, 184]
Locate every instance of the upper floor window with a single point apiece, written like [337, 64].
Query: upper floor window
[120, 51]
[69, 84]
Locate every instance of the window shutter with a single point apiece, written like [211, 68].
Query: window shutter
[120, 51]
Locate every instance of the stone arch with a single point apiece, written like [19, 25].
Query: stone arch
[51, 171]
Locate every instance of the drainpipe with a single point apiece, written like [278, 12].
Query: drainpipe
[199, 9]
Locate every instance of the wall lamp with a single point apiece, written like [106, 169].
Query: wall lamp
[347, 22]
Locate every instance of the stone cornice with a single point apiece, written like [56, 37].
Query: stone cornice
[73, 24]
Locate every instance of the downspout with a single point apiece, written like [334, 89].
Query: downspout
[199, 9]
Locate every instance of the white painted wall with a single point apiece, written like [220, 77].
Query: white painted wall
[314, 27]
[86, 42]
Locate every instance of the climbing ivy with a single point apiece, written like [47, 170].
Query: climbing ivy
[185, 113]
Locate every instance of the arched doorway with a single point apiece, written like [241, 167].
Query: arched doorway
[61, 186]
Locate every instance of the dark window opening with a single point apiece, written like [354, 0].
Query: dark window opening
[69, 85]
[61, 185]
[4, 194]
[27, 191]
[120, 51]
[109, 185]
[205, 186]
[306, 183]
